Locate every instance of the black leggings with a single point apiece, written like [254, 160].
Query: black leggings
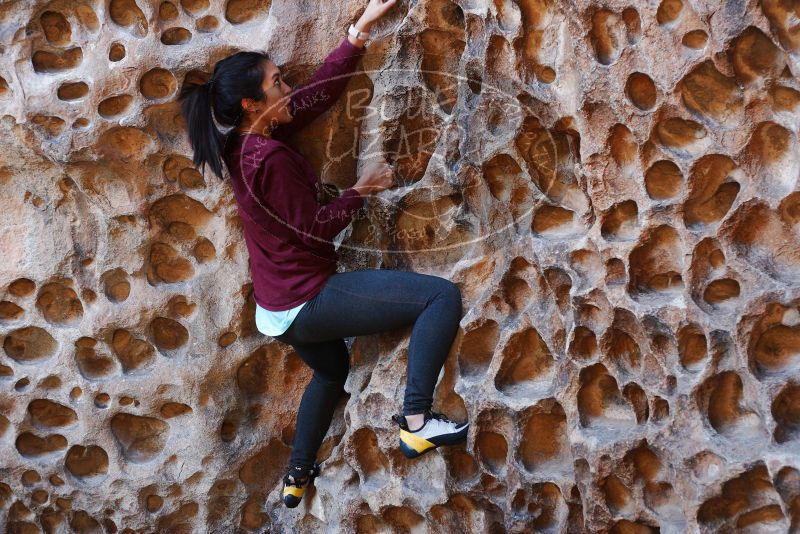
[363, 302]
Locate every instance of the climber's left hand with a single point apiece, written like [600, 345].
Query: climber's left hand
[374, 11]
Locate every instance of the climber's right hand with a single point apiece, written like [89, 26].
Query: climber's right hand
[377, 175]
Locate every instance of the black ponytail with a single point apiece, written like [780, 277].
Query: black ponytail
[235, 77]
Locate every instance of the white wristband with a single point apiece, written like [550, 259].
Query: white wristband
[355, 34]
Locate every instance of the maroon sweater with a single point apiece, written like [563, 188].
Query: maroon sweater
[288, 234]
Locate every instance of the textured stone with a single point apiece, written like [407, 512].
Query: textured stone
[141, 438]
[613, 186]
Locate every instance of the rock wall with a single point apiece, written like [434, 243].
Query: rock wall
[613, 185]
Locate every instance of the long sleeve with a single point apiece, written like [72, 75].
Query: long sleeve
[323, 88]
[294, 201]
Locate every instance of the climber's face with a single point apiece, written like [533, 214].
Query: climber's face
[274, 108]
[277, 92]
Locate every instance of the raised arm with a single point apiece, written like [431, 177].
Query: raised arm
[323, 88]
[328, 82]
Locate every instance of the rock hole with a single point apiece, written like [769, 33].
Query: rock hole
[176, 36]
[477, 349]
[72, 91]
[641, 91]
[126, 13]
[114, 106]
[157, 83]
[663, 180]
[241, 11]
[57, 30]
[63, 60]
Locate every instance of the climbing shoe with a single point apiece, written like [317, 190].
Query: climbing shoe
[295, 482]
[436, 430]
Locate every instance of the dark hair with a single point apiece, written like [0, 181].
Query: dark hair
[235, 77]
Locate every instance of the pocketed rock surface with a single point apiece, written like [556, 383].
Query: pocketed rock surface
[612, 185]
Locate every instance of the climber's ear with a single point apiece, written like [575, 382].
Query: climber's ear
[249, 105]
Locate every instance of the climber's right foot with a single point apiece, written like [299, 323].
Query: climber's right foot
[436, 430]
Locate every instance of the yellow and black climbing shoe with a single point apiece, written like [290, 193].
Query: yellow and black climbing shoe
[295, 482]
[437, 430]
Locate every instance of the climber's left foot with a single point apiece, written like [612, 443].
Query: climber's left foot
[295, 482]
